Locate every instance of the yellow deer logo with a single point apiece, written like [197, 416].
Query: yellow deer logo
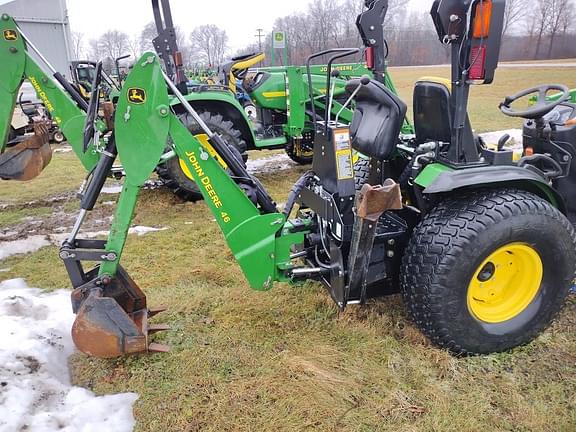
[137, 95]
[10, 35]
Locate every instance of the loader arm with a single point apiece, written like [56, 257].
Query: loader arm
[17, 65]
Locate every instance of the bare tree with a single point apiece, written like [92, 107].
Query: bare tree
[78, 45]
[515, 12]
[540, 20]
[209, 43]
[558, 10]
[147, 34]
[114, 43]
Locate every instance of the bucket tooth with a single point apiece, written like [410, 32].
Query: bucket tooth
[155, 328]
[158, 348]
[155, 311]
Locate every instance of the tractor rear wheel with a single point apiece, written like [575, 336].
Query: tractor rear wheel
[361, 173]
[175, 174]
[488, 271]
[301, 152]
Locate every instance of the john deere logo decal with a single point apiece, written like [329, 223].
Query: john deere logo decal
[136, 95]
[10, 35]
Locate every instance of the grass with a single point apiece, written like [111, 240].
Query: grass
[287, 359]
[484, 100]
[63, 175]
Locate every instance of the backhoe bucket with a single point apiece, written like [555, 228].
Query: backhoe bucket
[26, 160]
[112, 319]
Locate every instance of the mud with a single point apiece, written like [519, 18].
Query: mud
[59, 222]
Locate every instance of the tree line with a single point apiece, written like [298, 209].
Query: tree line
[539, 29]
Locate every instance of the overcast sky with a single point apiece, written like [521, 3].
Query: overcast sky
[240, 19]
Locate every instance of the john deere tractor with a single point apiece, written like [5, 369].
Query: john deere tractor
[289, 101]
[480, 246]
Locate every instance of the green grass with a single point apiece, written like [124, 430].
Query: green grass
[287, 359]
[63, 175]
[484, 100]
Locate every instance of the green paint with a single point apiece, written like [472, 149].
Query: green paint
[430, 174]
[258, 242]
[143, 101]
[17, 64]
[120, 226]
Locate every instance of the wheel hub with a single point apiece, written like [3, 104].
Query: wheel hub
[505, 283]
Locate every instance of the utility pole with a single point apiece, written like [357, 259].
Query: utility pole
[260, 35]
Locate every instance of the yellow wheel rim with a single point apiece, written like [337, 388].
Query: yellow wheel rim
[506, 283]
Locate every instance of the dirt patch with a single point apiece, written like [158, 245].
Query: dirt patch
[60, 221]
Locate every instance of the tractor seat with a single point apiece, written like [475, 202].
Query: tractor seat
[432, 112]
[377, 120]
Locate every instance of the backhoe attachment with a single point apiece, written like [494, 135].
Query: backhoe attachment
[27, 159]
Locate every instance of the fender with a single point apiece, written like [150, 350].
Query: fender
[447, 180]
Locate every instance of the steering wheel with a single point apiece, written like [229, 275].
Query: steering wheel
[542, 106]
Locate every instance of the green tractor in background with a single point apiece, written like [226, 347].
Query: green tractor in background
[283, 97]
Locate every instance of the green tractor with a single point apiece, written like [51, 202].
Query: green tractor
[290, 100]
[480, 246]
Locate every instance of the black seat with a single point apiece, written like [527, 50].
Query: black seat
[432, 113]
[377, 120]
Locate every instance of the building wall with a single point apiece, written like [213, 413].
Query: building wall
[45, 23]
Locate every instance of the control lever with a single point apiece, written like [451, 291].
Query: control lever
[90, 130]
[502, 142]
[335, 74]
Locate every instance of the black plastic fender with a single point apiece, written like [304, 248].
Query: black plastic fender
[497, 176]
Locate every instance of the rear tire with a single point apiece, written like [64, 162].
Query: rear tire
[361, 173]
[447, 277]
[58, 137]
[302, 155]
[171, 173]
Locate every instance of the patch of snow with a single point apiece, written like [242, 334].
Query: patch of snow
[270, 164]
[35, 390]
[23, 246]
[4, 270]
[514, 143]
[63, 149]
[142, 230]
[112, 190]
[37, 242]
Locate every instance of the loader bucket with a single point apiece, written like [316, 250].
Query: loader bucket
[112, 320]
[27, 159]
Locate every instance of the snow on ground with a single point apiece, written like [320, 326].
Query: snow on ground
[270, 164]
[515, 141]
[37, 242]
[112, 190]
[35, 390]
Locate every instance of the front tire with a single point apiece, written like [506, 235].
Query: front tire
[488, 271]
[173, 172]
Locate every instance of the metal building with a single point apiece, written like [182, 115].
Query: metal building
[46, 24]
